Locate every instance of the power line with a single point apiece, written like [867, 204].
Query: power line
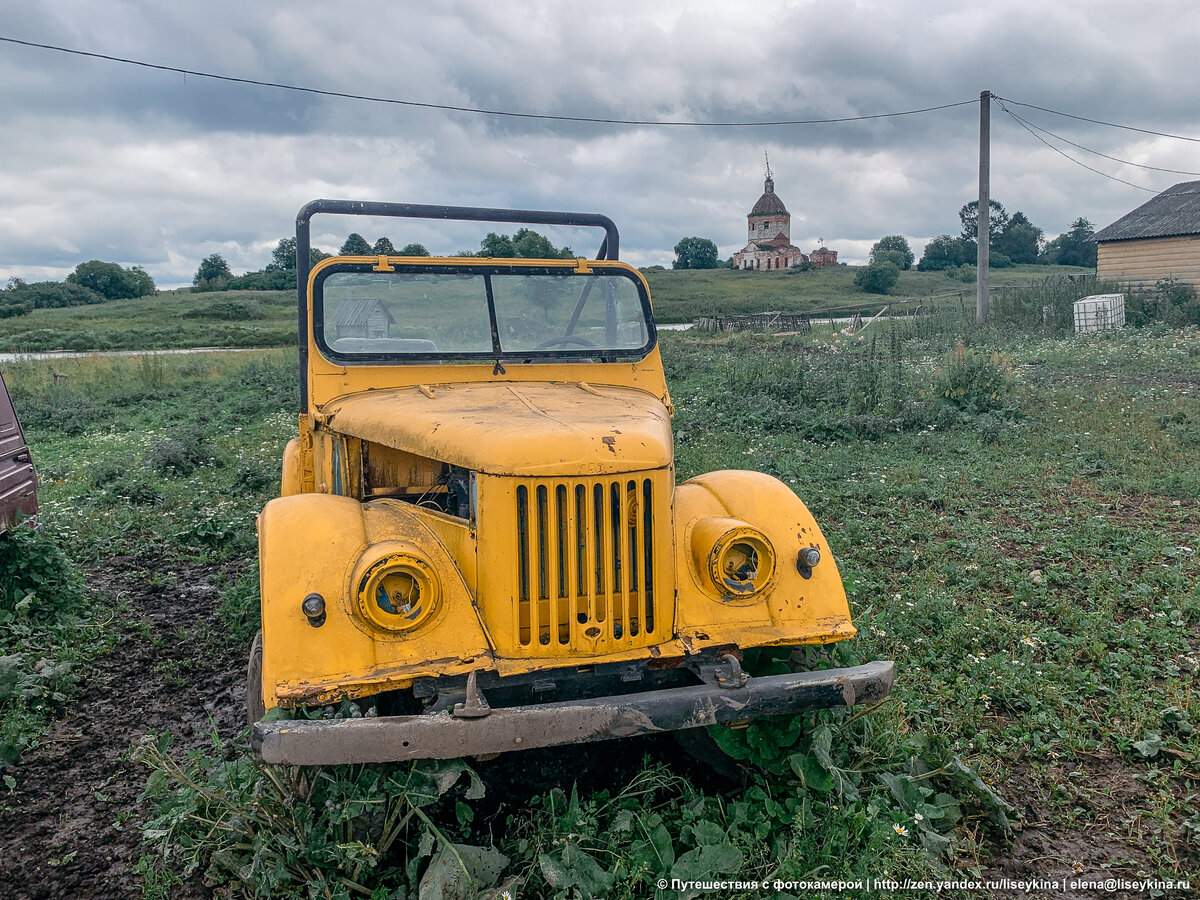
[1178, 137]
[1125, 162]
[469, 109]
[1021, 122]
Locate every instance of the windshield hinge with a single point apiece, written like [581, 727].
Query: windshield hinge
[581, 266]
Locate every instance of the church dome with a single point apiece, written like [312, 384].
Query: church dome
[769, 203]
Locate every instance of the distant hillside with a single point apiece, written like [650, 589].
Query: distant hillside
[683, 295]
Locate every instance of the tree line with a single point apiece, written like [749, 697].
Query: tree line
[279, 274]
[1012, 240]
[91, 282]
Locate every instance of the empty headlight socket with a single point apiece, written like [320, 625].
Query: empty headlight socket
[313, 608]
[806, 560]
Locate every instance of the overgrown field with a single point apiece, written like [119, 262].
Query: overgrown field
[681, 296]
[175, 319]
[1017, 521]
[168, 320]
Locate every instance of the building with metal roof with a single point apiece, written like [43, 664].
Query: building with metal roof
[1160, 239]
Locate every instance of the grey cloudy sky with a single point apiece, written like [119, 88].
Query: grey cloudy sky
[102, 160]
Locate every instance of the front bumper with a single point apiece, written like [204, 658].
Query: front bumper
[445, 736]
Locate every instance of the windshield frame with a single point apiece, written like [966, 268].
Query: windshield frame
[464, 266]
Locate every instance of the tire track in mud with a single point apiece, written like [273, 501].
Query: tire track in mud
[72, 828]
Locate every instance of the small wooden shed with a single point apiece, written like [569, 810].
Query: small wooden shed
[1160, 239]
[362, 318]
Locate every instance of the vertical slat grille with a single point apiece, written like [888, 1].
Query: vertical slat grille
[585, 562]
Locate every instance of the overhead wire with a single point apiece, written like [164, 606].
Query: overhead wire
[1178, 137]
[1032, 128]
[1065, 155]
[1125, 162]
[470, 109]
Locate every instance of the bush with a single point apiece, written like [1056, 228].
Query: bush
[31, 562]
[112, 281]
[975, 382]
[944, 251]
[226, 311]
[49, 295]
[878, 277]
[182, 452]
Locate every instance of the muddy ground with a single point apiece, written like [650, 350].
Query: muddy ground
[72, 828]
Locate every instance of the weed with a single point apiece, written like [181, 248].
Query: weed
[287, 832]
[41, 599]
[975, 382]
[180, 452]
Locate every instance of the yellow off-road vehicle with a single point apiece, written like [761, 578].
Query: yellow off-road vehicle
[480, 546]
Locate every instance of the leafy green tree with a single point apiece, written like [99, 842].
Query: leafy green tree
[111, 280]
[356, 245]
[530, 245]
[384, 246]
[897, 249]
[878, 277]
[1020, 241]
[498, 246]
[1074, 247]
[213, 274]
[944, 251]
[414, 250]
[283, 257]
[142, 281]
[525, 244]
[969, 216]
[695, 253]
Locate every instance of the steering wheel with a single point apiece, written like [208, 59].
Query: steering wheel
[565, 339]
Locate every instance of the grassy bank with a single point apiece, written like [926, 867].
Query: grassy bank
[1016, 520]
[166, 320]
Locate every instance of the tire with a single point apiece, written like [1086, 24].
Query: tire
[256, 708]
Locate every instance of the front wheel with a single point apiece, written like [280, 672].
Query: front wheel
[256, 708]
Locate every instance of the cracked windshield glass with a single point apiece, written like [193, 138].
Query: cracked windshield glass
[451, 313]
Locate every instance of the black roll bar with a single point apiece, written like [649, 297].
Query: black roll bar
[609, 247]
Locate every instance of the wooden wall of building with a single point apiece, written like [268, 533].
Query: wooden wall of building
[1140, 263]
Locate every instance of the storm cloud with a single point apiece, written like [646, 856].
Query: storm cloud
[104, 160]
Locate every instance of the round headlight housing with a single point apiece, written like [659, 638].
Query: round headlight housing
[398, 592]
[735, 557]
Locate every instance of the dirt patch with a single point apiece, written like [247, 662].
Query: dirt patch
[1102, 792]
[73, 826]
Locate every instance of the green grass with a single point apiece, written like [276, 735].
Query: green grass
[681, 296]
[166, 320]
[1025, 549]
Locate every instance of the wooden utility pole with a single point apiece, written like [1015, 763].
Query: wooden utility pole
[983, 231]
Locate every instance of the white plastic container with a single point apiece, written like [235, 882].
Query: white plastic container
[1100, 312]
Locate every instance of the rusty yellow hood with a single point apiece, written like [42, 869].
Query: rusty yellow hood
[514, 428]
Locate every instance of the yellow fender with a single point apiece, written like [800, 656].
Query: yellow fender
[333, 547]
[797, 605]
